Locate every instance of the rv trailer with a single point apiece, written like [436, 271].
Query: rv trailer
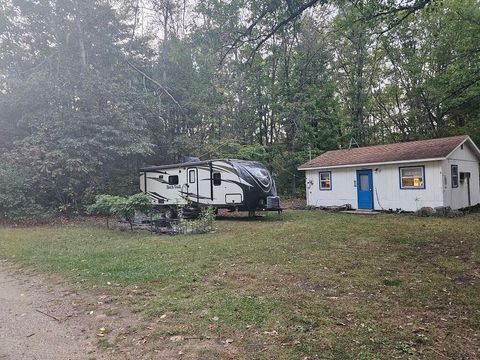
[223, 184]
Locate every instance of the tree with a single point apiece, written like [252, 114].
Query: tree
[18, 203]
[431, 73]
[90, 91]
[67, 90]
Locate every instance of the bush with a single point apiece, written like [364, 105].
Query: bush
[103, 205]
[121, 207]
[18, 196]
[203, 224]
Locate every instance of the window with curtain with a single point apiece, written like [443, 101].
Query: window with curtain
[412, 177]
[325, 180]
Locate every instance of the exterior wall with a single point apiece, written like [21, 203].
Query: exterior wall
[467, 161]
[343, 191]
[387, 193]
[165, 194]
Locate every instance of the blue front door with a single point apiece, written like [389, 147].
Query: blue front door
[365, 189]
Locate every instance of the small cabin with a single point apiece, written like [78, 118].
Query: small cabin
[403, 176]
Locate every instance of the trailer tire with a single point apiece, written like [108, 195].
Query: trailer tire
[170, 213]
[190, 213]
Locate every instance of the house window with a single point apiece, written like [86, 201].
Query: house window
[191, 176]
[217, 179]
[412, 177]
[454, 176]
[325, 180]
[173, 180]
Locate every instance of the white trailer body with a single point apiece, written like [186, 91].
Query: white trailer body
[234, 184]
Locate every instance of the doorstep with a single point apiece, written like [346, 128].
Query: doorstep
[361, 212]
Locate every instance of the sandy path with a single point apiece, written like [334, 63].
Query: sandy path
[26, 333]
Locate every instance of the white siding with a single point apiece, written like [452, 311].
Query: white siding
[173, 195]
[343, 191]
[386, 187]
[391, 196]
[467, 161]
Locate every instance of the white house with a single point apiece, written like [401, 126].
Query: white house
[406, 176]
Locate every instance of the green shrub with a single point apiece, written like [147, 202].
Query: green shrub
[103, 205]
[203, 224]
[121, 207]
[19, 196]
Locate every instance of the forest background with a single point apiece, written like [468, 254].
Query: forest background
[92, 90]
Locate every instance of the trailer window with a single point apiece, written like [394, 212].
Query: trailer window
[191, 176]
[454, 176]
[173, 180]
[217, 179]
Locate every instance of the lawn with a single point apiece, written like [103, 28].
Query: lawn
[313, 285]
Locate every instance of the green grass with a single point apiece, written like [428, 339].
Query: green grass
[331, 286]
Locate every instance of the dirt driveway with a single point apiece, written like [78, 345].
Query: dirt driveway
[41, 318]
[39, 321]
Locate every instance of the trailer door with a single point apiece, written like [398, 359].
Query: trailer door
[192, 181]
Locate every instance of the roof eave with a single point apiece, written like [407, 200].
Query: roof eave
[369, 164]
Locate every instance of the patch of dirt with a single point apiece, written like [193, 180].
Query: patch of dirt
[39, 321]
[294, 204]
[43, 318]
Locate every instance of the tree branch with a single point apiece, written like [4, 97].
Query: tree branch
[408, 8]
[163, 88]
[293, 14]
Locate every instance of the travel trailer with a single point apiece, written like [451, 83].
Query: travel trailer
[223, 184]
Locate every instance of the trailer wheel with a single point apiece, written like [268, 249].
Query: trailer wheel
[170, 214]
[190, 213]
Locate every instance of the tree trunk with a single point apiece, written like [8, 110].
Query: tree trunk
[81, 43]
[165, 41]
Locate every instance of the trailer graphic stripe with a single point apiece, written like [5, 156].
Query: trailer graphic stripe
[239, 183]
[219, 168]
[194, 195]
[157, 179]
[155, 171]
[156, 195]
